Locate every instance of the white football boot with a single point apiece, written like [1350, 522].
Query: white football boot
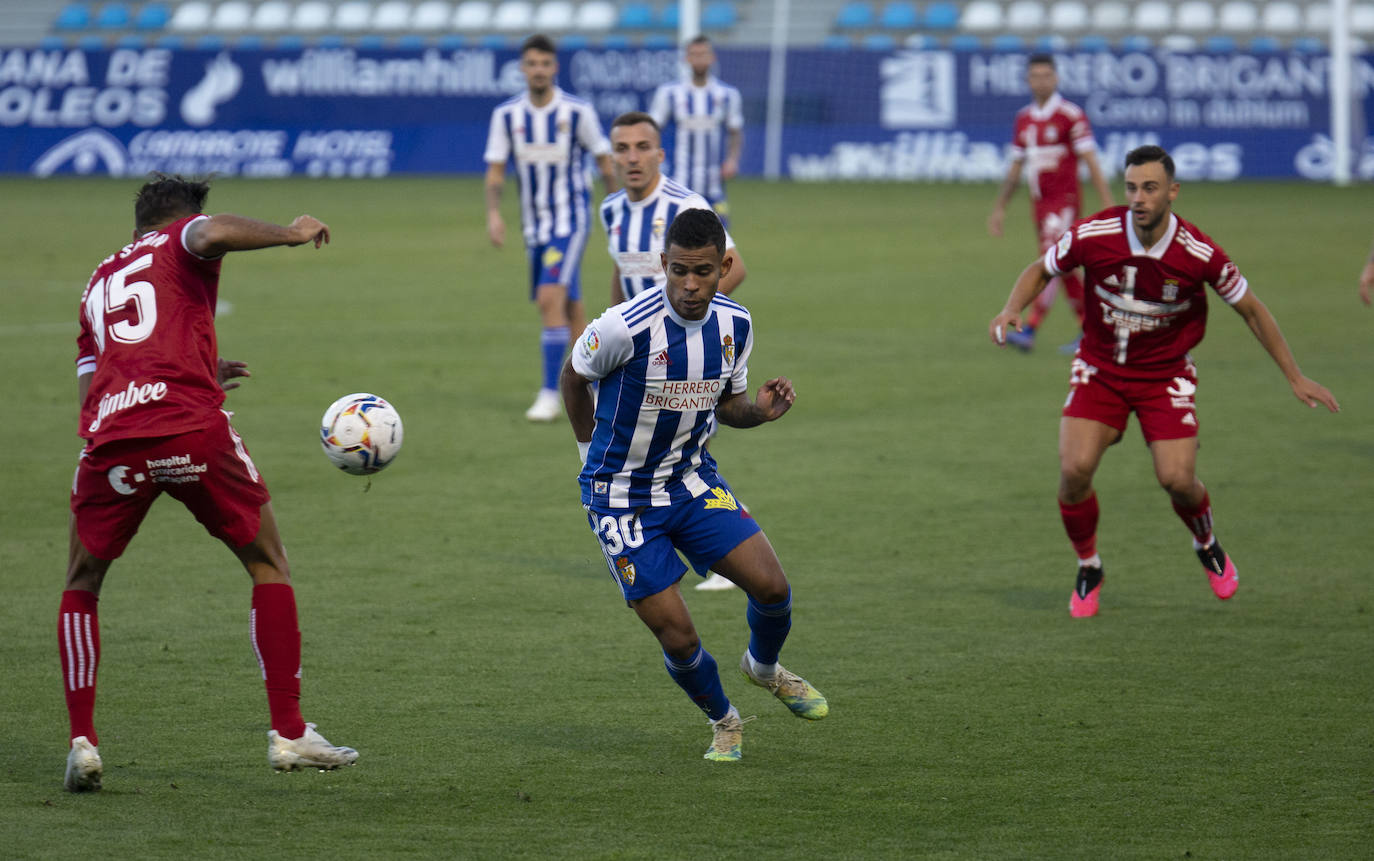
[714, 583]
[311, 750]
[83, 767]
[547, 406]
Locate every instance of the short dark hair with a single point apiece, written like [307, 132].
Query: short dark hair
[1040, 59]
[634, 118]
[167, 198]
[538, 42]
[1151, 153]
[699, 39]
[695, 228]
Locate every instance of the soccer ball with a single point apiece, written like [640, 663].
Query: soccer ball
[361, 433]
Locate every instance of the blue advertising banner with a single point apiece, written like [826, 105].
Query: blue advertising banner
[906, 115]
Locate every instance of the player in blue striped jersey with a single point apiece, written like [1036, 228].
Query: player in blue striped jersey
[666, 362]
[548, 133]
[708, 118]
[637, 216]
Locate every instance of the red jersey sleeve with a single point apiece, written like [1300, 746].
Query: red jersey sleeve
[1063, 256]
[1081, 134]
[85, 341]
[1218, 270]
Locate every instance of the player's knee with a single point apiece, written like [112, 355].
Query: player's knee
[679, 645]
[1177, 483]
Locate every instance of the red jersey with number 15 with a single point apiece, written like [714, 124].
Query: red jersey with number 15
[1145, 307]
[148, 334]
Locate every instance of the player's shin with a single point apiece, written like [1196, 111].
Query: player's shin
[768, 627]
[700, 678]
[277, 643]
[1198, 519]
[1080, 522]
[78, 645]
[553, 343]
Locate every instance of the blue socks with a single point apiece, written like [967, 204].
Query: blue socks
[700, 678]
[768, 627]
[554, 342]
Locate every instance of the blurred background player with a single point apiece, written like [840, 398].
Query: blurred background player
[667, 363]
[1049, 138]
[547, 133]
[708, 120]
[1149, 271]
[1367, 280]
[151, 387]
[636, 219]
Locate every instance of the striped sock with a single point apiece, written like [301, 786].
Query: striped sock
[78, 645]
[554, 343]
[277, 643]
[700, 678]
[1198, 519]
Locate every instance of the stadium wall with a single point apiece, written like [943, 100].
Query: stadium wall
[903, 115]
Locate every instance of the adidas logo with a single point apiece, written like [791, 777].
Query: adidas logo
[661, 360]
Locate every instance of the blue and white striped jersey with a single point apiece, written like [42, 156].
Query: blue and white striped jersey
[700, 116]
[661, 377]
[549, 145]
[635, 231]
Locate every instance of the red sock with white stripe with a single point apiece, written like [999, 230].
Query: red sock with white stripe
[1080, 522]
[1198, 519]
[78, 644]
[277, 642]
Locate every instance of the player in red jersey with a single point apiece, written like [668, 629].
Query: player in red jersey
[1147, 271]
[1051, 135]
[151, 386]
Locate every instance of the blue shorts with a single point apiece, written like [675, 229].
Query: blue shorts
[640, 544]
[558, 261]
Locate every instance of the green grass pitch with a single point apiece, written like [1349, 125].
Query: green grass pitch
[461, 631]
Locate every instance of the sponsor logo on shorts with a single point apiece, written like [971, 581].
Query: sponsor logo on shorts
[177, 469]
[133, 395]
[723, 499]
[1190, 420]
[1181, 395]
[552, 257]
[625, 570]
[119, 476]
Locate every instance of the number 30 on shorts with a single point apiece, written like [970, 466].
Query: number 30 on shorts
[617, 533]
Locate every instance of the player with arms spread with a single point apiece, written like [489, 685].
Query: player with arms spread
[667, 362]
[1147, 270]
[151, 388]
[1050, 136]
[547, 133]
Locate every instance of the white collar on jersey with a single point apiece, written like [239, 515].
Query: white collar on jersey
[553, 101]
[1045, 111]
[681, 320]
[1157, 250]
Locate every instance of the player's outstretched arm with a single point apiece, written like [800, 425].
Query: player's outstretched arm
[220, 234]
[1028, 285]
[1099, 179]
[1266, 330]
[773, 400]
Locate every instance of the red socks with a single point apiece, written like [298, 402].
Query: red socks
[277, 642]
[78, 645]
[1198, 519]
[1080, 521]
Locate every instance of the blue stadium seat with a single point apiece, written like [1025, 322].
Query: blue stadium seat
[921, 42]
[290, 42]
[114, 16]
[878, 42]
[154, 16]
[636, 16]
[855, 15]
[653, 41]
[410, 42]
[1265, 45]
[52, 43]
[1309, 45]
[130, 40]
[1218, 44]
[91, 43]
[836, 42]
[249, 43]
[720, 15]
[899, 15]
[669, 18]
[942, 16]
[616, 42]
[210, 43]
[493, 42]
[574, 42]
[452, 42]
[330, 41]
[1008, 42]
[170, 42]
[371, 42]
[1050, 43]
[74, 16]
[1094, 44]
[965, 43]
[1138, 44]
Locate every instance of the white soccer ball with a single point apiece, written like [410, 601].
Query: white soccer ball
[361, 433]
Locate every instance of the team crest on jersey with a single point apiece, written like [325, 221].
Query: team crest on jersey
[1170, 289]
[727, 349]
[659, 224]
[723, 499]
[625, 570]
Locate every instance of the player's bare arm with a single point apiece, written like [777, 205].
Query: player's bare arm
[1266, 330]
[220, 234]
[735, 273]
[606, 165]
[999, 208]
[495, 181]
[773, 400]
[617, 292]
[1028, 285]
[577, 400]
[734, 144]
[1099, 179]
[1367, 281]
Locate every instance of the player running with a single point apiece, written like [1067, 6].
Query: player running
[150, 384]
[667, 362]
[1148, 271]
[1050, 136]
[548, 134]
[708, 118]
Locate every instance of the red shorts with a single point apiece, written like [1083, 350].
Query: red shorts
[209, 471]
[1164, 405]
